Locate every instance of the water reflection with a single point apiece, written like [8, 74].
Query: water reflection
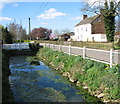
[40, 83]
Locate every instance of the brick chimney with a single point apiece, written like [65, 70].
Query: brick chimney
[84, 16]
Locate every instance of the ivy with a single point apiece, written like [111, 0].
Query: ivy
[109, 21]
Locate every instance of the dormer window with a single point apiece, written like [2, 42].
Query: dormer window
[99, 20]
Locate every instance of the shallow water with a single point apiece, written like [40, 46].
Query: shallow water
[41, 84]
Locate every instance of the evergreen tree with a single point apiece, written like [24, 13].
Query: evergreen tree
[6, 36]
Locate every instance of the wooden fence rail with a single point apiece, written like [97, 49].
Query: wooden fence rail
[108, 57]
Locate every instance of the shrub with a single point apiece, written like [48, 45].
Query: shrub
[22, 41]
[88, 65]
[110, 81]
[78, 59]
[34, 46]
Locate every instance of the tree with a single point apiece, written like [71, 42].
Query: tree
[17, 31]
[92, 7]
[65, 31]
[23, 35]
[6, 36]
[40, 33]
[55, 35]
[109, 14]
[109, 21]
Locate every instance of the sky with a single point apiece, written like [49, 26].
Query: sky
[48, 14]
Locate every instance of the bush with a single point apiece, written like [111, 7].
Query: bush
[88, 65]
[110, 81]
[34, 46]
[22, 41]
[6, 36]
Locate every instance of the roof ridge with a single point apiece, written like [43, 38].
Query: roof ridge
[87, 20]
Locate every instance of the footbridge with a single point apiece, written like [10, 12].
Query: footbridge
[19, 46]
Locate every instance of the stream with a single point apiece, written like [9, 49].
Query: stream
[42, 84]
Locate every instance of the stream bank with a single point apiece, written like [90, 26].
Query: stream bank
[7, 94]
[98, 78]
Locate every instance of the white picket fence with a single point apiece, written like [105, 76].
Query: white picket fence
[15, 46]
[108, 57]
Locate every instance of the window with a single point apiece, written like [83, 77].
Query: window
[77, 30]
[81, 29]
[103, 36]
[99, 20]
[86, 28]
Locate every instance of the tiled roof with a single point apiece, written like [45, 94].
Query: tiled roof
[87, 20]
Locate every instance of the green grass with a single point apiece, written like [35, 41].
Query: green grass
[95, 45]
[93, 74]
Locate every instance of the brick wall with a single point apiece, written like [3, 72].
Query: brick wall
[98, 26]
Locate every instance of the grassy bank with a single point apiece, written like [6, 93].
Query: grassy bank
[98, 78]
[7, 95]
[95, 45]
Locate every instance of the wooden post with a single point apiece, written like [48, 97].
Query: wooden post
[49, 45]
[69, 50]
[84, 52]
[52, 46]
[59, 47]
[45, 45]
[111, 57]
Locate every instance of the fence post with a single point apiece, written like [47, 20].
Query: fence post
[59, 47]
[84, 52]
[45, 45]
[69, 50]
[111, 57]
[52, 46]
[49, 45]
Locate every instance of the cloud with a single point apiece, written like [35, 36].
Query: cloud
[15, 5]
[5, 19]
[4, 2]
[43, 23]
[76, 18]
[51, 14]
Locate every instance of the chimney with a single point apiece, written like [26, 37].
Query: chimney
[84, 16]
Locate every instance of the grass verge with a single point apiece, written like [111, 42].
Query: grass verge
[98, 78]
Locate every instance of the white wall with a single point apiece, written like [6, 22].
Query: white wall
[82, 32]
[99, 37]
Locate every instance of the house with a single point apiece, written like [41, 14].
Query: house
[91, 29]
[66, 36]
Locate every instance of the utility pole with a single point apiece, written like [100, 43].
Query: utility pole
[29, 29]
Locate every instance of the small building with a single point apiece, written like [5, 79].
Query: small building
[90, 29]
[66, 36]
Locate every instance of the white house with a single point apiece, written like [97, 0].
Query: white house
[90, 29]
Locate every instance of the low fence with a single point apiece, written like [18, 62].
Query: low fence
[15, 46]
[108, 57]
